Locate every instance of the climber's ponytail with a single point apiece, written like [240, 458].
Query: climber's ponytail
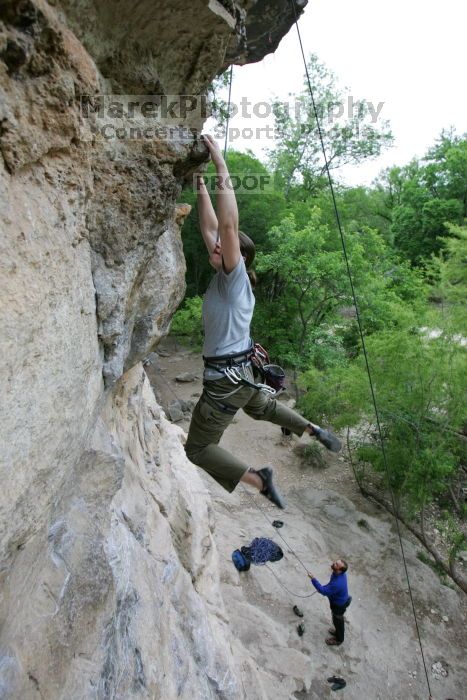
[248, 250]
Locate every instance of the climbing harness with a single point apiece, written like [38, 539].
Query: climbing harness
[234, 376]
[273, 376]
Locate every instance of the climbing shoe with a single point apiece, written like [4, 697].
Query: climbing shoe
[332, 642]
[301, 629]
[332, 631]
[269, 490]
[297, 611]
[328, 439]
[337, 683]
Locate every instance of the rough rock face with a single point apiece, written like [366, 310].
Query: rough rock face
[91, 272]
[117, 596]
[125, 40]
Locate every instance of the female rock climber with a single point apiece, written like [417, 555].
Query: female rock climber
[227, 311]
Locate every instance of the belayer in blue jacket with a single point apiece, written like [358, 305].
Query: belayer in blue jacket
[339, 600]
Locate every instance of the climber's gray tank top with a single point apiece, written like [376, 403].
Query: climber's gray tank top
[227, 312]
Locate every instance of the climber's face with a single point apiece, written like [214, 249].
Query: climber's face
[215, 259]
[337, 566]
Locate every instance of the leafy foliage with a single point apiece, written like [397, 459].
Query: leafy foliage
[187, 321]
[349, 135]
[418, 384]
[305, 295]
[450, 272]
[426, 196]
[302, 285]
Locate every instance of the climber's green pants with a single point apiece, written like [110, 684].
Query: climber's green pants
[209, 421]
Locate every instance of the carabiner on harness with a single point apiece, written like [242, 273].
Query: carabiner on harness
[232, 374]
[235, 377]
[267, 389]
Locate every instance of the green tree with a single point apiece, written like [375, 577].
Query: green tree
[187, 322]
[424, 197]
[301, 285]
[449, 271]
[418, 383]
[419, 379]
[349, 134]
[305, 309]
[446, 168]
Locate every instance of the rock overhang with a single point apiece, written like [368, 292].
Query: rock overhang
[57, 55]
[177, 47]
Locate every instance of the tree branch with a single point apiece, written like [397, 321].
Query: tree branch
[448, 567]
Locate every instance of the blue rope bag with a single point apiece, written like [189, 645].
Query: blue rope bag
[240, 561]
[260, 551]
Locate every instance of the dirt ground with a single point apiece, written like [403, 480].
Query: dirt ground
[326, 517]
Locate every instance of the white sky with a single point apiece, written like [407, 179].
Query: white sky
[409, 54]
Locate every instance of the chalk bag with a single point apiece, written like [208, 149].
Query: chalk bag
[274, 376]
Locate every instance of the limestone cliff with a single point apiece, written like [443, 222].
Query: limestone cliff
[117, 595]
[108, 580]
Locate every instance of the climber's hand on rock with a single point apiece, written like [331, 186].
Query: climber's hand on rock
[198, 182]
[215, 151]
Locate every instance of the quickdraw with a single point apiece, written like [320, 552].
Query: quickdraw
[273, 376]
[235, 377]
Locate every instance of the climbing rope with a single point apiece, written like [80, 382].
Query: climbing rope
[289, 548]
[228, 111]
[291, 551]
[262, 550]
[362, 338]
[296, 595]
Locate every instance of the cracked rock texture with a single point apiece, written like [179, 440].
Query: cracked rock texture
[118, 595]
[93, 533]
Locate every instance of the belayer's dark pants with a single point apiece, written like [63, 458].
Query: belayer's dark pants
[338, 619]
[215, 411]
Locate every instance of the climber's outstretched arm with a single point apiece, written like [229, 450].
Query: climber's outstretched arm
[207, 216]
[227, 210]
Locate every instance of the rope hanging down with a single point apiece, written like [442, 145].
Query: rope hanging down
[290, 549]
[228, 111]
[362, 338]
